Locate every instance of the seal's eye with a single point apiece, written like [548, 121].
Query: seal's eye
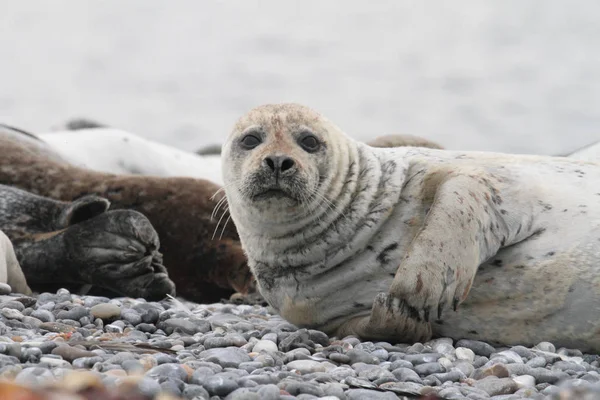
[250, 141]
[309, 142]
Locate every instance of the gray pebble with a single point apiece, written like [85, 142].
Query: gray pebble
[43, 315]
[545, 346]
[429, 368]
[496, 386]
[417, 359]
[295, 388]
[479, 348]
[168, 371]
[366, 394]
[219, 386]
[5, 288]
[406, 375]
[357, 356]
[536, 362]
[226, 357]
[186, 326]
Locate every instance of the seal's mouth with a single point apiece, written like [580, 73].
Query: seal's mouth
[272, 193]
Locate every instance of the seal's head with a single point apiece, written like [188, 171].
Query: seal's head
[280, 157]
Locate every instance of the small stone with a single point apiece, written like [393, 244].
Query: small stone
[429, 368]
[191, 391]
[498, 370]
[417, 359]
[5, 289]
[543, 375]
[406, 375]
[536, 362]
[524, 381]
[148, 328]
[43, 315]
[57, 327]
[568, 366]
[86, 362]
[339, 358]
[357, 356]
[465, 367]
[478, 347]
[296, 388]
[34, 376]
[509, 355]
[441, 345]
[497, 386]
[220, 386]
[70, 353]
[148, 387]
[366, 394]
[463, 353]
[226, 357]
[545, 346]
[523, 351]
[266, 346]
[297, 340]
[131, 316]
[10, 313]
[76, 313]
[168, 370]
[187, 326]
[306, 366]
[106, 311]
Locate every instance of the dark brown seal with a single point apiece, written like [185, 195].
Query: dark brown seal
[62, 244]
[203, 269]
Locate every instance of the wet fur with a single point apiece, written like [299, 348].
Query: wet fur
[422, 242]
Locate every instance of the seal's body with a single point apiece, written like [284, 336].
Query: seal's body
[202, 254]
[384, 243]
[120, 152]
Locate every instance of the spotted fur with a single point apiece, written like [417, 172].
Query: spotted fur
[405, 243]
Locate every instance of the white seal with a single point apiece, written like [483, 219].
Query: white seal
[10, 270]
[120, 152]
[386, 243]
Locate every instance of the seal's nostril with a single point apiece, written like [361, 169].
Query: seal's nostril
[269, 161]
[279, 164]
[286, 164]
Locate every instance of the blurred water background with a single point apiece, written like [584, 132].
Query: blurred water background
[511, 75]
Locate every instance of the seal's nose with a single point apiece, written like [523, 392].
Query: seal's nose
[279, 164]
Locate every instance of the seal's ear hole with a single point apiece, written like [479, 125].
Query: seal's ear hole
[83, 209]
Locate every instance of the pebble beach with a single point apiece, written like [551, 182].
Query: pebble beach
[87, 347]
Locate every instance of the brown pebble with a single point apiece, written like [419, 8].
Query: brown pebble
[70, 353]
[57, 327]
[499, 370]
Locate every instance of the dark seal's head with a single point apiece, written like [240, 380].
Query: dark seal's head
[281, 158]
[62, 244]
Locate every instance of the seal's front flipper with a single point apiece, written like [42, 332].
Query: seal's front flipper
[462, 229]
[390, 320]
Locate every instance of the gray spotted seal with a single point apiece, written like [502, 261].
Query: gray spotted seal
[79, 243]
[405, 243]
[202, 253]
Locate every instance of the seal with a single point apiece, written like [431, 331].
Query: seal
[387, 243]
[117, 151]
[10, 270]
[60, 244]
[202, 254]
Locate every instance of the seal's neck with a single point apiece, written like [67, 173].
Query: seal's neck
[353, 205]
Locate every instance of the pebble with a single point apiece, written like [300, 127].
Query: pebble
[105, 311]
[463, 353]
[245, 352]
[5, 288]
[479, 348]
